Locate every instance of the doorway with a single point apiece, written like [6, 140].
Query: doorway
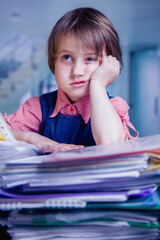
[145, 91]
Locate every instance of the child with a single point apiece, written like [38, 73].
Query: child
[85, 56]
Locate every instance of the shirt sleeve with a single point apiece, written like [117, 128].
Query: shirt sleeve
[28, 117]
[122, 108]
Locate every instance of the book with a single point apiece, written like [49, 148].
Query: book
[5, 133]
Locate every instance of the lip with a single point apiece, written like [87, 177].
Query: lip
[78, 83]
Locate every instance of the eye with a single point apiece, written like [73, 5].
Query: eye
[91, 59]
[67, 58]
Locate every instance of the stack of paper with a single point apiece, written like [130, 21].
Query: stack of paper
[100, 192]
[17, 150]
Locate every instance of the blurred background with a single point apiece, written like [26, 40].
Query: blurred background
[24, 29]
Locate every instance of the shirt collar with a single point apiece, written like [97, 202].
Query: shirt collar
[82, 106]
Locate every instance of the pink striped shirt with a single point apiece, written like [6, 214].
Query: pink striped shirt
[29, 115]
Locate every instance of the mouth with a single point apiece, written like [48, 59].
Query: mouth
[78, 83]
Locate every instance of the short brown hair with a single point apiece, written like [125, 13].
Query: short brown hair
[89, 25]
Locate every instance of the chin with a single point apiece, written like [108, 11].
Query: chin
[78, 95]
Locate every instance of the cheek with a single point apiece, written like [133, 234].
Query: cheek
[61, 77]
[59, 71]
[93, 67]
[58, 76]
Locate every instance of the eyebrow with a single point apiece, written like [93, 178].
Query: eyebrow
[90, 53]
[64, 51]
[70, 52]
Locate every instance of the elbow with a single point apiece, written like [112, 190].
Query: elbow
[111, 138]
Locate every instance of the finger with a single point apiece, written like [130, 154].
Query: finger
[104, 54]
[77, 146]
[68, 147]
[101, 58]
[113, 60]
[117, 65]
[73, 145]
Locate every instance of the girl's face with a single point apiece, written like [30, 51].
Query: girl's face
[74, 66]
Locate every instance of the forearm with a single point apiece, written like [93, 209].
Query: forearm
[105, 123]
[43, 143]
[31, 137]
[26, 136]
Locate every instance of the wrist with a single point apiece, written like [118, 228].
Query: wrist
[94, 84]
[29, 137]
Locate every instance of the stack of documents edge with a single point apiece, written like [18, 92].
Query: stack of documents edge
[101, 192]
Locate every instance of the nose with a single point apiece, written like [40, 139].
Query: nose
[78, 68]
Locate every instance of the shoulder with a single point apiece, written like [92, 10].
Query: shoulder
[120, 105]
[28, 116]
[31, 102]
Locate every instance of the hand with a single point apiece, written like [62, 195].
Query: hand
[108, 70]
[47, 145]
[43, 143]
